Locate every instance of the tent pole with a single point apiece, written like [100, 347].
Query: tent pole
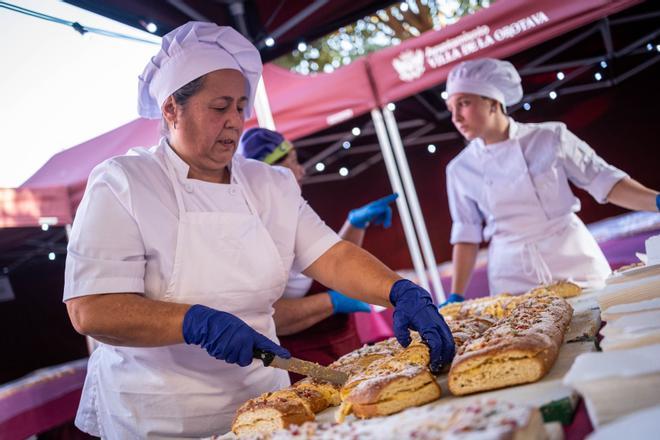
[401, 202]
[262, 107]
[418, 217]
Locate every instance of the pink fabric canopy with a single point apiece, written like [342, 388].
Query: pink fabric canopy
[302, 105]
[27, 207]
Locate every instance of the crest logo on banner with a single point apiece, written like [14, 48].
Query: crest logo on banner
[409, 64]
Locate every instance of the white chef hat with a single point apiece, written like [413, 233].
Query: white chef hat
[190, 51]
[487, 77]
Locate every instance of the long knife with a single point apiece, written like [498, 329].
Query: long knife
[299, 366]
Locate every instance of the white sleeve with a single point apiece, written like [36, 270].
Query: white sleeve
[105, 252]
[585, 168]
[313, 237]
[467, 222]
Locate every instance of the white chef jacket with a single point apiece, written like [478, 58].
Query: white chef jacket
[297, 285]
[131, 194]
[553, 155]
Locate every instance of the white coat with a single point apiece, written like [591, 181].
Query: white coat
[213, 245]
[519, 190]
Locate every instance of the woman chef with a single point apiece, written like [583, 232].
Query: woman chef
[178, 253]
[315, 327]
[515, 177]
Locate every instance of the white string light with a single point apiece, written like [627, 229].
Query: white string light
[51, 256]
[560, 76]
[356, 131]
[431, 148]
[346, 145]
[553, 95]
[527, 106]
[343, 171]
[320, 167]
[270, 42]
[391, 106]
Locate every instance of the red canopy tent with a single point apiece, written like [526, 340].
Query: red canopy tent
[70, 168]
[26, 207]
[302, 105]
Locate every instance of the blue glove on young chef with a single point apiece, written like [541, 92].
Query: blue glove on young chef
[414, 310]
[377, 212]
[226, 337]
[452, 298]
[343, 304]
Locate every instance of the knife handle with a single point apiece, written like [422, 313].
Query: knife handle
[264, 356]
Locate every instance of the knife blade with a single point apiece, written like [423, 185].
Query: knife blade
[300, 366]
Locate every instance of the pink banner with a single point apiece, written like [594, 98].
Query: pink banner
[505, 28]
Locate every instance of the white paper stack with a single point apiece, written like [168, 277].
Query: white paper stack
[652, 245]
[631, 330]
[618, 382]
[621, 310]
[643, 424]
[636, 290]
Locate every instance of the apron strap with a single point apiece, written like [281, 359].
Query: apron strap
[176, 186]
[534, 264]
[237, 177]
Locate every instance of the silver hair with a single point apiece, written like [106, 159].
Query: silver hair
[181, 97]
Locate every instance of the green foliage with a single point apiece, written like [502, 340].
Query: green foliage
[387, 27]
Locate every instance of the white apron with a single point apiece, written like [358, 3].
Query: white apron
[528, 248]
[227, 261]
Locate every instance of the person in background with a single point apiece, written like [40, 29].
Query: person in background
[315, 327]
[510, 185]
[178, 253]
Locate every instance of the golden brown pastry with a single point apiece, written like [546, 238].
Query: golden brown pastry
[393, 387]
[270, 412]
[520, 348]
[494, 306]
[483, 419]
[565, 289]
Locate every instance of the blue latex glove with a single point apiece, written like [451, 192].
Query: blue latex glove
[378, 212]
[226, 337]
[414, 310]
[453, 298]
[343, 304]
